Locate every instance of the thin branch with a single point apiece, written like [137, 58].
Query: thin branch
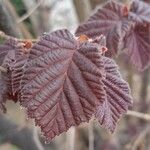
[22, 27]
[8, 19]
[6, 37]
[140, 138]
[24, 17]
[2, 69]
[139, 115]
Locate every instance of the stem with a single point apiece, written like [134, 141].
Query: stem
[6, 37]
[24, 17]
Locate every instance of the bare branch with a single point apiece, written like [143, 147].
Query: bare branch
[22, 27]
[140, 138]
[24, 17]
[2, 69]
[7, 20]
[82, 12]
[6, 37]
[3, 35]
[139, 115]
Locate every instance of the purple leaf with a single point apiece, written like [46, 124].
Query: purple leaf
[147, 1]
[12, 60]
[6, 50]
[137, 43]
[17, 69]
[110, 20]
[139, 12]
[118, 97]
[61, 85]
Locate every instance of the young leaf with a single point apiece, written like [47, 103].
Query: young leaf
[118, 97]
[110, 21]
[137, 43]
[61, 86]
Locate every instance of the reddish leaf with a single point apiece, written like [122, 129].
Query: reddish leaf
[6, 50]
[137, 43]
[12, 60]
[147, 1]
[17, 69]
[61, 85]
[110, 21]
[118, 96]
[139, 12]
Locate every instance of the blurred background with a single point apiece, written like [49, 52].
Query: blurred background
[31, 18]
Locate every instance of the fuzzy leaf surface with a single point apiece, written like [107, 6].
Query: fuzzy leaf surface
[62, 83]
[118, 97]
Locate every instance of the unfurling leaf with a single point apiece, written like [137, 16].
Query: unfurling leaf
[110, 21]
[118, 97]
[62, 82]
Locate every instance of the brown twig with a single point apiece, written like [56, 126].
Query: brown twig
[3, 35]
[139, 115]
[25, 16]
[23, 30]
[6, 37]
[140, 138]
[2, 69]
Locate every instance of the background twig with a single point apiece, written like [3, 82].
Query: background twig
[24, 17]
[139, 115]
[140, 138]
